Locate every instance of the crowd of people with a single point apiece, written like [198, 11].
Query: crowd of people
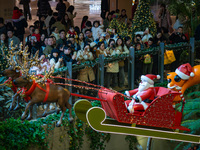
[59, 41]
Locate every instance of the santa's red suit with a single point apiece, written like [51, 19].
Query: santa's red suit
[143, 96]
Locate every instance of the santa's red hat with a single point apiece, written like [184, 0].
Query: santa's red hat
[185, 71]
[150, 77]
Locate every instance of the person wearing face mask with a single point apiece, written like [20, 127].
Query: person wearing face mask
[143, 95]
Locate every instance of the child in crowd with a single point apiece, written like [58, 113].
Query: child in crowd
[96, 30]
[55, 33]
[16, 13]
[72, 32]
[37, 34]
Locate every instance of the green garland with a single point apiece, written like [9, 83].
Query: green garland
[132, 141]
[152, 51]
[97, 139]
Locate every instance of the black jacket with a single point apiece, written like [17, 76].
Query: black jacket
[67, 58]
[61, 8]
[176, 38]
[3, 30]
[197, 33]
[43, 7]
[20, 24]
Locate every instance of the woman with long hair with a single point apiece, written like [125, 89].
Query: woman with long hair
[123, 50]
[83, 22]
[67, 22]
[71, 14]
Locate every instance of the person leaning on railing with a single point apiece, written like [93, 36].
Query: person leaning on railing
[86, 74]
[113, 67]
[177, 37]
[123, 50]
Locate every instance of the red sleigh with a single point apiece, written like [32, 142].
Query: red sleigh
[160, 113]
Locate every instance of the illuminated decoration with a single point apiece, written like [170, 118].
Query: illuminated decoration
[122, 29]
[143, 19]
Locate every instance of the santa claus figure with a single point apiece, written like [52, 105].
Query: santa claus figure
[143, 95]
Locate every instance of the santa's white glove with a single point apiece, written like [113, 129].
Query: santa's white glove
[130, 109]
[131, 103]
[136, 98]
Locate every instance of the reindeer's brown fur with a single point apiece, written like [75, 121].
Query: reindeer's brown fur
[56, 94]
[13, 73]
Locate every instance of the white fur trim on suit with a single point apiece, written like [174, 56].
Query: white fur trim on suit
[144, 105]
[158, 77]
[147, 79]
[140, 99]
[192, 74]
[131, 109]
[182, 75]
[127, 93]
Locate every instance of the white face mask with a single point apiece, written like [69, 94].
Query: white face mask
[143, 86]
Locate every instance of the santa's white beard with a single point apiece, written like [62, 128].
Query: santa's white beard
[143, 86]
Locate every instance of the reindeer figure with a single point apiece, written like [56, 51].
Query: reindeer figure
[12, 74]
[54, 93]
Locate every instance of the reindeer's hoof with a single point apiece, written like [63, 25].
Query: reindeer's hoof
[10, 109]
[16, 108]
[28, 118]
[58, 111]
[58, 124]
[44, 115]
[22, 118]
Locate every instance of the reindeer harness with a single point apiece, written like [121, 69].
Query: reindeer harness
[10, 84]
[26, 94]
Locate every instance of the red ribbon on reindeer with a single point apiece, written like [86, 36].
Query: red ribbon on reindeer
[26, 94]
[10, 84]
